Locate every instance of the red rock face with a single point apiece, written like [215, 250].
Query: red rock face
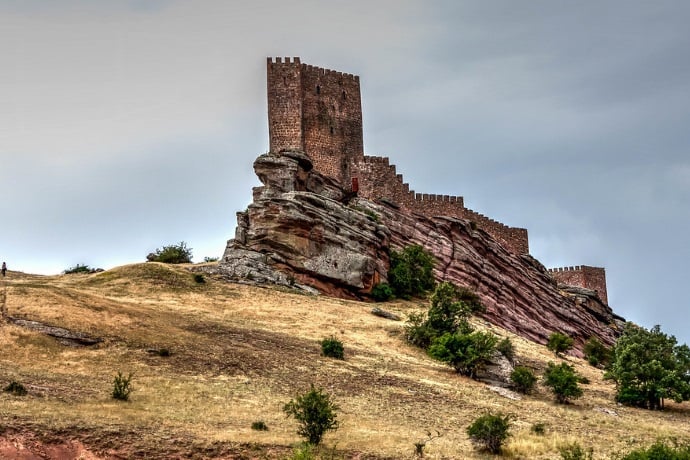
[302, 230]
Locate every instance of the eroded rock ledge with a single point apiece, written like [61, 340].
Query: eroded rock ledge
[302, 230]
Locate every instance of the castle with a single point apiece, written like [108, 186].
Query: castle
[319, 111]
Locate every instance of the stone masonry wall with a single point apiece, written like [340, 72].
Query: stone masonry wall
[284, 83]
[593, 278]
[379, 179]
[332, 121]
[319, 111]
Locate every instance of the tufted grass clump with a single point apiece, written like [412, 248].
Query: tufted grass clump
[331, 347]
[259, 425]
[15, 388]
[122, 387]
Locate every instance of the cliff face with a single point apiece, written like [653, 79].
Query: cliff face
[301, 230]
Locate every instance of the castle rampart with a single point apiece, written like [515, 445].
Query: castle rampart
[593, 278]
[319, 112]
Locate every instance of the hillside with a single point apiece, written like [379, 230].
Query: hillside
[238, 354]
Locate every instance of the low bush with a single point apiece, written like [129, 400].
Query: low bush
[538, 428]
[172, 254]
[523, 379]
[122, 387]
[559, 343]
[467, 353]
[259, 426]
[315, 413]
[411, 272]
[382, 292]
[575, 452]
[78, 269]
[596, 353]
[506, 348]
[332, 348]
[211, 259]
[15, 388]
[563, 381]
[490, 431]
[660, 451]
[199, 278]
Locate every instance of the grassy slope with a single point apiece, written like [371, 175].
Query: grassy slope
[240, 353]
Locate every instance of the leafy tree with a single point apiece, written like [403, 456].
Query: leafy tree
[649, 366]
[315, 412]
[466, 352]
[411, 271]
[172, 254]
[523, 379]
[563, 381]
[449, 311]
[559, 343]
[490, 431]
[596, 353]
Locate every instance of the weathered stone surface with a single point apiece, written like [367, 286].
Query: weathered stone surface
[300, 232]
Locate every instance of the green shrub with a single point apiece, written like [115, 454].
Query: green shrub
[382, 292]
[490, 431]
[507, 349]
[523, 379]
[660, 451]
[466, 352]
[315, 413]
[559, 343]
[173, 254]
[163, 352]
[418, 331]
[259, 426]
[304, 451]
[199, 278]
[411, 272]
[596, 353]
[332, 348]
[538, 428]
[563, 381]
[15, 388]
[575, 452]
[122, 387]
[211, 259]
[78, 269]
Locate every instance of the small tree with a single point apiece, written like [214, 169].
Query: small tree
[490, 431]
[172, 254]
[559, 343]
[649, 366]
[122, 386]
[466, 352]
[563, 381]
[595, 352]
[315, 413]
[523, 379]
[411, 271]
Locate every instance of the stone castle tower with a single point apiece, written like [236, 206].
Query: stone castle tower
[319, 111]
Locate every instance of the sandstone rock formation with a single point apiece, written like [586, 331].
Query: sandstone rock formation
[302, 230]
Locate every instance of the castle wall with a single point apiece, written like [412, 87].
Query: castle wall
[379, 179]
[583, 276]
[332, 121]
[284, 84]
[319, 111]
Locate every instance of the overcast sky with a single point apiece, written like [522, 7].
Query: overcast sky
[127, 125]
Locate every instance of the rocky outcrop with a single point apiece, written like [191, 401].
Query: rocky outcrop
[303, 230]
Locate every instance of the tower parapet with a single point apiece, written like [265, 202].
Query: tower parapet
[593, 278]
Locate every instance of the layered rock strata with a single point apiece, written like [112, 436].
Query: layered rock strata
[303, 230]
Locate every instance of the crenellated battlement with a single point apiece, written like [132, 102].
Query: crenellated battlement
[593, 278]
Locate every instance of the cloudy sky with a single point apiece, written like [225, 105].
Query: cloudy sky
[126, 125]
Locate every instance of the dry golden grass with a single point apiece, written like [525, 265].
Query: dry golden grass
[239, 353]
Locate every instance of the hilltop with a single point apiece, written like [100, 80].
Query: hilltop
[239, 353]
